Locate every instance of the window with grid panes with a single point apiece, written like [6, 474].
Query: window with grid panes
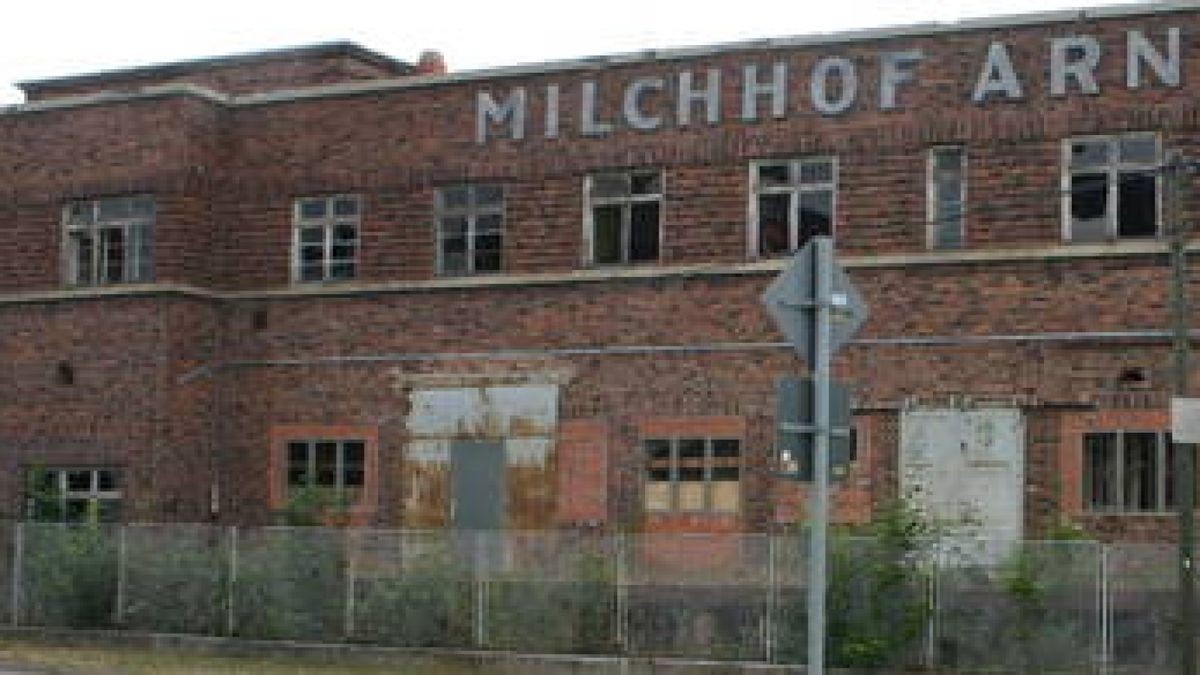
[693, 474]
[110, 240]
[1128, 472]
[326, 238]
[336, 466]
[470, 229]
[1111, 187]
[73, 495]
[624, 216]
[791, 202]
[947, 197]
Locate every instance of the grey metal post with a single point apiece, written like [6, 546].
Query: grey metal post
[1176, 171]
[622, 604]
[1102, 608]
[819, 511]
[118, 611]
[18, 571]
[772, 602]
[480, 591]
[230, 614]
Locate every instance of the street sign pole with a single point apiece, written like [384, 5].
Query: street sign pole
[819, 511]
[818, 309]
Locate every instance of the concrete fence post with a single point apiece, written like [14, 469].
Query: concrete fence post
[772, 607]
[18, 571]
[231, 584]
[621, 549]
[351, 554]
[118, 611]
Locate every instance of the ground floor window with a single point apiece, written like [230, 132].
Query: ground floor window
[693, 474]
[333, 468]
[1128, 471]
[73, 495]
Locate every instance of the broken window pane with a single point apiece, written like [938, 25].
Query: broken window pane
[643, 232]
[1089, 207]
[606, 235]
[774, 175]
[1137, 202]
[327, 238]
[489, 195]
[774, 223]
[645, 183]
[816, 215]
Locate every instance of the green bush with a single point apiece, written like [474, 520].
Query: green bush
[69, 575]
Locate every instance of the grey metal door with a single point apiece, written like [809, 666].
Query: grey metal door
[477, 484]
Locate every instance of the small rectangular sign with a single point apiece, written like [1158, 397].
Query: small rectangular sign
[1185, 420]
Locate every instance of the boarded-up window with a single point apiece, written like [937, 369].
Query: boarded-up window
[693, 474]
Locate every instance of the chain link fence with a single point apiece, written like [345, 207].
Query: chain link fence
[1061, 606]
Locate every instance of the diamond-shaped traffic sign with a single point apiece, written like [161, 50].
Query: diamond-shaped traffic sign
[791, 301]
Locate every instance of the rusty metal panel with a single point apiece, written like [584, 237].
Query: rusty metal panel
[484, 412]
[518, 421]
[966, 467]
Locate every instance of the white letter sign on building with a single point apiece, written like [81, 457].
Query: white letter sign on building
[647, 102]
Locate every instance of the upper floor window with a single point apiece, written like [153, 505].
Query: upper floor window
[110, 240]
[791, 201]
[693, 474]
[1111, 187]
[947, 197]
[624, 216]
[325, 241]
[73, 495]
[470, 229]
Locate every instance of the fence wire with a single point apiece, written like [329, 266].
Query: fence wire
[987, 605]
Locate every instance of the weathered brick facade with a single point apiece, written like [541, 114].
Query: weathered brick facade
[192, 383]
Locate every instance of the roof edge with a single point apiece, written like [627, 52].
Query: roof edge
[333, 48]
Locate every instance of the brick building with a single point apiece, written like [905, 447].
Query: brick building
[529, 297]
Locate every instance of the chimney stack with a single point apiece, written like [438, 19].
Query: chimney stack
[431, 63]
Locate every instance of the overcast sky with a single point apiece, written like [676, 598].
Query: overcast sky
[48, 38]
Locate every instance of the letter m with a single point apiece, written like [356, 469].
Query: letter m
[511, 111]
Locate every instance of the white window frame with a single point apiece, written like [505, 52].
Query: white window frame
[136, 267]
[471, 212]
[932, 214]
[329, 224]
[63, 492]
[1164, 473]
[626, 202]
[795, 188]
[1113, 169]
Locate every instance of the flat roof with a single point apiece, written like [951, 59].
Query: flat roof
[173, 68]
